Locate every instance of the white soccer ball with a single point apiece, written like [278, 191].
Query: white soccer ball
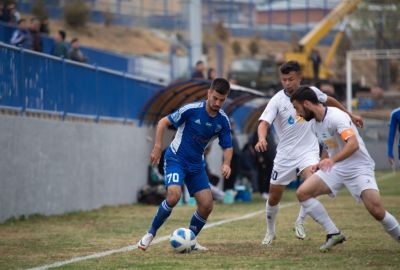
[183, 240]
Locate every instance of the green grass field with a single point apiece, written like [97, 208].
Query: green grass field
[41, 240]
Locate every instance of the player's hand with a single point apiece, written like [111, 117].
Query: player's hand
[326, 164]
[391, 161]
[357, 120]
[261, 145]
[155, 155]
[314, 168]
[225, 171]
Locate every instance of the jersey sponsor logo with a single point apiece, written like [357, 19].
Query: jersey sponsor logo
[299, 119]
[330, 143]
[198, 121]
[290, 120]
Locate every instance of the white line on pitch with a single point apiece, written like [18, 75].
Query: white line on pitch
[164, 238]
[155, 241]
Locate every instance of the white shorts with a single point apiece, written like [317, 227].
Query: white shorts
[287, 170]
[355, 181]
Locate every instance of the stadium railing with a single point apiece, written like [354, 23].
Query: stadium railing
[32, 82]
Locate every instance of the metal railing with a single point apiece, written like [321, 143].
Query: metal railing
[31, 81]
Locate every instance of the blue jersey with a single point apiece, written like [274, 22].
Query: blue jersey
[196, 130]
[394, 124]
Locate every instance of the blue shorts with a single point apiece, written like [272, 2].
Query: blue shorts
[179, 173]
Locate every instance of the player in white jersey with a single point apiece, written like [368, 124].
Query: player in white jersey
[297, 150]
[346, 162]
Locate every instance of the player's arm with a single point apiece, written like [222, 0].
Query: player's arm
[262, 131]
[349, 148]
[356, 119]
[157, 149]
[391, 136]
[226, 164]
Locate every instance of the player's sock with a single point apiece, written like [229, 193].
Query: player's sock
[302, 216]
[271, 212]
[317, 211]
[162, 214]
[197, 223]
[391, 226]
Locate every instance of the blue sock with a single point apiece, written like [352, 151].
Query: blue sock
[197, 223]
[162, 214]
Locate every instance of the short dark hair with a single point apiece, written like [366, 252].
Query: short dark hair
[199, 62]
[62, 34]
[74, 40]
[221, 85]
[290, 66]
[303, 93]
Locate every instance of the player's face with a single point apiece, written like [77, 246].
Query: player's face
[215, 100]
[291, 81]
[303, 111]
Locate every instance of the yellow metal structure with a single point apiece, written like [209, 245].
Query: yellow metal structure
[308, 42]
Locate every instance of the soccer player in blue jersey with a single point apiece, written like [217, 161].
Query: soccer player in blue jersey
[197, 125]
[394, 125]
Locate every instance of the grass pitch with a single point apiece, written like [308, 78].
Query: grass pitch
[42, 240]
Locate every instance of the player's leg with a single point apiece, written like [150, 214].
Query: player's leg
[372, 202]
[306, 166]
[198, 186]
[174, 176]
[280, 178]
[306, 193]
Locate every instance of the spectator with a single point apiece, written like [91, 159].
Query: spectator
[394, 126]
[44, 26]
[199, 70]
[316, 60]
[11, 15]
[21, 36]
[211, 74]
[229, 182]
[1, 12]
[75, 52]
[37, 44]
[60, 48]
[248, 166]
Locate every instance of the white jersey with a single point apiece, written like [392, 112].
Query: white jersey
[333, 131]
[293, 132]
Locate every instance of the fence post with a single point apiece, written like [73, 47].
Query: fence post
[64, 90]
[97, 119]
[24, 98]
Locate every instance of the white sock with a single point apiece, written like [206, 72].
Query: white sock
[317, 211]
[302, 215]
[271, 212]
[391, 226]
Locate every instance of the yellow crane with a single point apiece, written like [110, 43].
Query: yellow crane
[308, 42]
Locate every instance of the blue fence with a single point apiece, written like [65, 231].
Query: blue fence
[35, 81]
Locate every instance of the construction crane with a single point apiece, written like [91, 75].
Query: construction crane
[309, 41]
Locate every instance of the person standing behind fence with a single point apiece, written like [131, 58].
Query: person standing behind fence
[21, 36]
[198, 72]
[75, 52]
[60, 47]
[37, 44]
[393, 126]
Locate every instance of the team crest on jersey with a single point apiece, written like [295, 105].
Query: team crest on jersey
[208, 124]
[290, 120]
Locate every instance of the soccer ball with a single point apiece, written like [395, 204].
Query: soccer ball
[183, 240]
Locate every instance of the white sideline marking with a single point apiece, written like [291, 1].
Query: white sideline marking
[155, 241]
[166, 237]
